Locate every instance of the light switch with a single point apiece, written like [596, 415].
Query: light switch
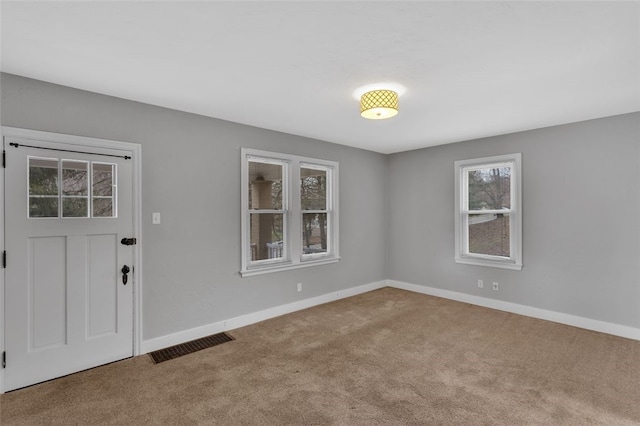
[155, 218]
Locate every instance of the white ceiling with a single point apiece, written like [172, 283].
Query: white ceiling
[470, 69]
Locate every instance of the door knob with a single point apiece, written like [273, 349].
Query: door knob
[125, 270]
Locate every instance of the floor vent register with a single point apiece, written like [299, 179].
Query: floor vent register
[189, 347]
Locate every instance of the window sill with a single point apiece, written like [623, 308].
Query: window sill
[286, 267]
[490, 263]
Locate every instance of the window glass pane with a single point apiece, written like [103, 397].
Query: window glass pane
[265, 185]
[75, 179]
[103, 178]
[103, 207]
[489, 234]
[314, 233]
[313, 189]
[75, 207]
[489, 189]
[75, 193]
[103, 187]
[267, 236]
[43, 176]
[43, 206]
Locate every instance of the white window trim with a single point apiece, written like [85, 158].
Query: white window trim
[462, 255]
[293, 257]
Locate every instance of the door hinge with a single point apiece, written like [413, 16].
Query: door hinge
[4, 259]
[4, 359]
[4, 159]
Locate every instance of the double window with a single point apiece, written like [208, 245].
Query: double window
[488, 226]
[290, 212]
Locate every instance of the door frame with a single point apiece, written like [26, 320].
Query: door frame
[81, 141]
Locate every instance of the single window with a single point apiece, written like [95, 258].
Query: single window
[287, 226]
[488, 212]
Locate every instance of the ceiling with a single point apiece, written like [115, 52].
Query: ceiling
[469, 69]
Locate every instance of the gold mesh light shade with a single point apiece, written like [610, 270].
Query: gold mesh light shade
[379, 104]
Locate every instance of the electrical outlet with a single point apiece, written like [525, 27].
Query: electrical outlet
[299, 287]
[496, 286]
[480, 284]
[155, 218]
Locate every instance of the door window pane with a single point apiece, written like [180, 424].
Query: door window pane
[75, 179]
[314, 233]
[43, 187]
[103, 188]
[103, 178]
[43, 206]
[75, 207]
[103, 207]
[267, 236]
[490, 188]
[43, 176]
[313, 189]
[75, 183]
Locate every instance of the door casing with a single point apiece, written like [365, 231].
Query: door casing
[80, 141]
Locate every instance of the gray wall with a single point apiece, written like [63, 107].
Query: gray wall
[191, 174]
[581, 202]
[581, 216]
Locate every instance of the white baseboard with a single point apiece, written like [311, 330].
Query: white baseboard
[567, 319]
[252, 318]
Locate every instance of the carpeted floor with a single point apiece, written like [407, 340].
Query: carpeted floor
[387, 357]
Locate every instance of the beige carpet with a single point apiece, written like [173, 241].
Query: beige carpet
[388, 357]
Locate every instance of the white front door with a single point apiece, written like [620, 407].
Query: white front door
[67, 305]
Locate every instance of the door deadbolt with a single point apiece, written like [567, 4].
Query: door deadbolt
[128, 241]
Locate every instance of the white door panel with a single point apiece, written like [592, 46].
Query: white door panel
[46, 296]
[102, 298]
[66, 307]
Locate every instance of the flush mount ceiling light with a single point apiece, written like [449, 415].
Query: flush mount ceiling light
[379, 104]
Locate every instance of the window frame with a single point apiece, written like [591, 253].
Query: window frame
[61, 196]
[462, 212]
[284, 211]
[293, 255]
[329, 202]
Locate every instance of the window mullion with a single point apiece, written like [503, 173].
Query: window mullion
[286, 207]
[464, 216]
[329, 191]
[295, 214]
[246, 214]
[60, 186]
[331, 232]
[465, 233]
[90, 189]
[515, 216]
